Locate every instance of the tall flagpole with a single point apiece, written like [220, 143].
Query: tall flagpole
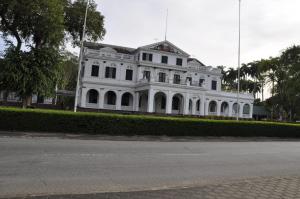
[80, 57]
[166, 30]
[239, 64]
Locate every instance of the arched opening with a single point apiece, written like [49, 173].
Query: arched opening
[198, 107]
[143, 102]
[110, 100]
[160, 102]
[127, 101]
[177, 104]
[246, 110]
[235, 109]
[92, 97]
[212, 108]
[190, 107]
[224, 109]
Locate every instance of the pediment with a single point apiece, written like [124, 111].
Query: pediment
[165, 46]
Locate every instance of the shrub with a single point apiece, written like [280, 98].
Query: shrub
[14, 119]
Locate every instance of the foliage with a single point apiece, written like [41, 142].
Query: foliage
[116, 124]
[74, 19]
[39, 27]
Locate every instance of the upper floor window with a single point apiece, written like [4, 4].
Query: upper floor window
[176, 79]
[213, 85]
[162, 77]
[146, 75]
[129, 74]
[201, 82]
[147, 57]
[179, 62]
[110, 72]
[95, 71]
[164, 59]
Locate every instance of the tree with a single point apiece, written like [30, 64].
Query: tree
[74, 19]
[39, 28]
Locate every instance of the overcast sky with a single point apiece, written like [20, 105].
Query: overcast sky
[206, 29]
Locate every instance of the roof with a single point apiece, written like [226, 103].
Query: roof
[196, 60]
[119, 49]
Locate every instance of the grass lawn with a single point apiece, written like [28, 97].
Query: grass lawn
[42, 120]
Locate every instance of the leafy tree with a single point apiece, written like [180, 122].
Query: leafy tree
[39, 28]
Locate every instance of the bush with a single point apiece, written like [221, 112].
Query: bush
[38, 120]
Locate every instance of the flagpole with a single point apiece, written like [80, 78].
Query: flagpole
[80, 57]
[239, 64]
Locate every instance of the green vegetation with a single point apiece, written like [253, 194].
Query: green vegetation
[118, 124]
[35, 32]
[279, 74]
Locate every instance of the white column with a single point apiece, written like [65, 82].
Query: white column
[101, 99]
[219, 108]
[171, 76]
[152, 75]
[150, 101]
[206, 107]
[241, 110]
[136, 101]
[139, 74]
[202, 105]
[119, 100]
[169, 103]
[186, 104]
[230, 109]
[194, 104]
[251, 111]
[83, 97]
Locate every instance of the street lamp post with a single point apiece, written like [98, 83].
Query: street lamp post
[80, 57]
[239, 64]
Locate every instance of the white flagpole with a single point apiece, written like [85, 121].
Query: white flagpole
[80, 57]
[239, 64]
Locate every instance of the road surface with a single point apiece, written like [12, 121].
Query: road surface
[53, 165]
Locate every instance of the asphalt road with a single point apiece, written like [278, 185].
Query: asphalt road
[49, 165]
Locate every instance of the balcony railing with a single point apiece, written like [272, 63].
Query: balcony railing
[98, 53]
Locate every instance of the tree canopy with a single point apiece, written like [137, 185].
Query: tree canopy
[35, 31]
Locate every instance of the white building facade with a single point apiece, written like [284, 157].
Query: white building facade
[157, 78]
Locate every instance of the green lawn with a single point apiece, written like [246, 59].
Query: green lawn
[43, 120]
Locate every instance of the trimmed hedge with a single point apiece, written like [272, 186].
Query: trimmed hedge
[14, 119]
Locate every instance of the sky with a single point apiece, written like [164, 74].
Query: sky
[206, 29]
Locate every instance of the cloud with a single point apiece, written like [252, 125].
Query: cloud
[205, 29]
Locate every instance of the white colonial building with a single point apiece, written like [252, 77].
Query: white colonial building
[157, 78]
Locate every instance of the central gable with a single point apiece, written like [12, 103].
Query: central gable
[165, 46]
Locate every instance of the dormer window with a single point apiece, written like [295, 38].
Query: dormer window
[147, 57]
[179, 62]
[164, 59]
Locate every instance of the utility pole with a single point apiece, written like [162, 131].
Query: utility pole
[239, 64]
[80, 57]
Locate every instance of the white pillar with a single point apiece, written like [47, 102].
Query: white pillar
[219, 108]
[230, 109]
[83, 97]
[194, 104]
[171, 76]
[241, 110]
[169, 103]
[136, 101]
[206, 107]
[139, 74]
[101, 99]
[202, 105]
[118, 101]
[186, 104]
[150, 101]
[251, 111]
[152, 75]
